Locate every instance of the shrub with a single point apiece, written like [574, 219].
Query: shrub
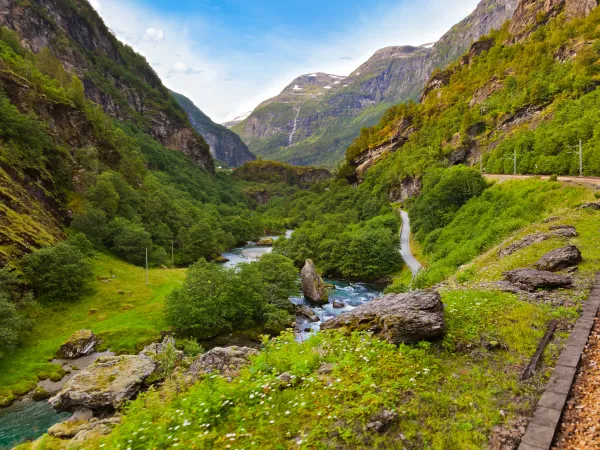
[58, 274]
[13, 322]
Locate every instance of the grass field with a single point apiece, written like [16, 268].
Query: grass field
[125, 312]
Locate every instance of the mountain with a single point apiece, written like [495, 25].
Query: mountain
[237, 120]
[316, 116]
[91, 139]
[114, 76]
[225, 145]
[524, 91]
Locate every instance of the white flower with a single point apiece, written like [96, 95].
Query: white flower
[271, 421]
[287, 413]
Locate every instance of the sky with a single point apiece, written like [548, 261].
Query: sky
[230, 55]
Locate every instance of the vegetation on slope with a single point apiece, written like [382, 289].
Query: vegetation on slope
[537, 97]
[447, 394]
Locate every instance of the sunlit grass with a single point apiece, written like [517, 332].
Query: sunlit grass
[124, 311]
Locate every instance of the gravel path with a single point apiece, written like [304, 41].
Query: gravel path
[580, 428]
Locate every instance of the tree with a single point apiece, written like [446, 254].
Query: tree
[280, 278]
[104, 195]
[13, 322]
[58, 274]
[130, 241]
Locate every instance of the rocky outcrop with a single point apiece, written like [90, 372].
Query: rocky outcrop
[593, 205]
[531, 14]
[225, 361]
[369, 158]
[392, 75]
[73, 31]
[560, 258]
[409, 187]
[225, 145]
[306, 312]
[80, 343]
[276, 172]
[563, 231]
[105, 385]
[530, 279]
[313, 287]
[397, 318]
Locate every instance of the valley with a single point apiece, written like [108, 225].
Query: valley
[404, 257]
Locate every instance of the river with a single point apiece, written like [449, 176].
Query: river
[27, 420]
[350, 294]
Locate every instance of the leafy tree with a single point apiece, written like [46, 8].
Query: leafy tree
[14, 324]
[58, 274]
[444, 192]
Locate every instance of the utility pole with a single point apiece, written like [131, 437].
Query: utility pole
[146, 265]
[580, 158]
[579, 151]
[172, 256]
[515, 161]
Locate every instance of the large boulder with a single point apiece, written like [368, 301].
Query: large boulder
[313, 287]
[531, 279]
[397, 318]
[226, 361]
[560, 231]
[559, 258]
[105, 385]
[305, 311]
[80, 343]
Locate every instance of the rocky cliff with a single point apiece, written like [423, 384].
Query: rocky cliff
[495, 100]
[114, 76]
[315, 117]
[225, 145]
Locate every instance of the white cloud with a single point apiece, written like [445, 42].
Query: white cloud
[96, 5]
[154, 34]
[225, 80]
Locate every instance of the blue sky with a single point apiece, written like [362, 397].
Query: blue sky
[229, 55]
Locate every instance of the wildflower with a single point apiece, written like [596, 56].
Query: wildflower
[271, 421]
[287, 413]
[186, 423]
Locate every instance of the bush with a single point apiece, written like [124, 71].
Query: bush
[13, 322]
[58, 274]
[215, 299]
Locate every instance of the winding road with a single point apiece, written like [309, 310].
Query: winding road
[412, 263]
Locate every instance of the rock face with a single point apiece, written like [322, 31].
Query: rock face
[271, 171]
[530, 279]
[560, 258]
[73, 31]
[313, 287]
[561, 231]
[105, 385]
[226, 361]
[340, 106]
[225, 145]
[530, 14]
[80, 343]
[397, 318]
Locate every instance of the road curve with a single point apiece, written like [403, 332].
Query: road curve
[412, 263]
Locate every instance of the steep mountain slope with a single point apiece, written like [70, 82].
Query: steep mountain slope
[225, 145]
[114, 76]
[315, 118]
[527, 91]
[102, 168]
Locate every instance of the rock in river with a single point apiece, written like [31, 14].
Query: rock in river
[397, 318]
[80, 343]
[305, 311]
[105, 385]
[531, 279]
[313, 287]
[560, 258]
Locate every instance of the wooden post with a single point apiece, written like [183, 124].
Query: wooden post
[532, 366]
